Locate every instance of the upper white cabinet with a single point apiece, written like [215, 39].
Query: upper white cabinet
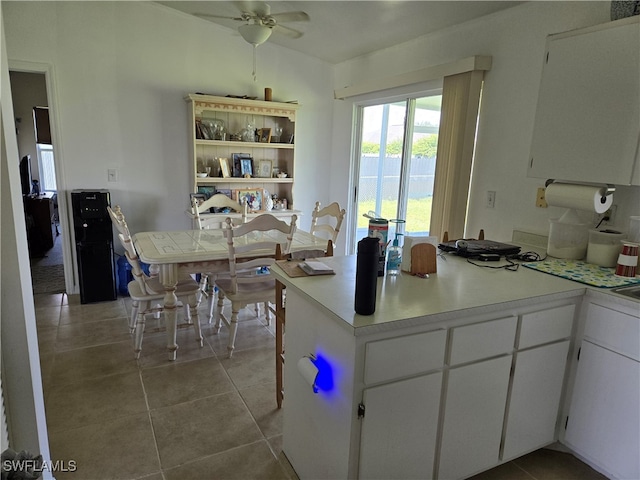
[587, 124]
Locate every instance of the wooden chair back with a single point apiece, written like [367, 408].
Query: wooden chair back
[252, 240]
[136, 269]
[218, 200]
[331, 217]
[118, 220]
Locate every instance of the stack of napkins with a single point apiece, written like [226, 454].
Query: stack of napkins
[315, 267]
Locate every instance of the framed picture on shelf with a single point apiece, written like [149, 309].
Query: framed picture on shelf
[264, 168]
[225, 191]
[264, 134]
[253, 197]
[237, 157]
[225, 171]
[246, 167]
[207, 191]
[200, 198]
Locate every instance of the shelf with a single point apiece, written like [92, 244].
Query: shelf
[202, 103]
[275, 213]
[217, 180]
[236, 115]
[220, 143]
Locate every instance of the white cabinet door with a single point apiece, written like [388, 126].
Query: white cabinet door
[535, 399]
[474, 414]
[399, 429]
[604, 418]
[588, 114]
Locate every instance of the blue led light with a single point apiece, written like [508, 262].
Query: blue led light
[324, 380]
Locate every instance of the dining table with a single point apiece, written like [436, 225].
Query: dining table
[175, 253]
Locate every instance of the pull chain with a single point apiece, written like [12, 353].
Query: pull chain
[255, 77]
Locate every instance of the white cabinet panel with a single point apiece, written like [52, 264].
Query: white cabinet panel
[612, 329]
[474, 414]
[483, 340]
[404, 356]
[588, 114]
[546, 326]
[399, 429]
[604, 418]
[535, 398]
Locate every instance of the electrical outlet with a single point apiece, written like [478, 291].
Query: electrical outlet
[541, 202]
[606, 218]
[491, 199]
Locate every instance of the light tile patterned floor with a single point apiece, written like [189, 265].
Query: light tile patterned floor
[201, 417]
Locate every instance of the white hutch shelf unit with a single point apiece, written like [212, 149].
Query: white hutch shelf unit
[237, 114]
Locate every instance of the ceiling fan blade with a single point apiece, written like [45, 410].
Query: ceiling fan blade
[290, 17]
[287, 31]
[209, 15]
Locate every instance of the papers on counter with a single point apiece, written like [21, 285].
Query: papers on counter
[315, 267]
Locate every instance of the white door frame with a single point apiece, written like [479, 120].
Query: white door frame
[63, 210]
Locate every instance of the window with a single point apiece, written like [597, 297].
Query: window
[398, 142]
[459, 104]
[47, 168]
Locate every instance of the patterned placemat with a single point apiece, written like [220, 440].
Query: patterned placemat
[582, 272]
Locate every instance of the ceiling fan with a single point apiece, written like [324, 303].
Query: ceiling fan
[260, 22]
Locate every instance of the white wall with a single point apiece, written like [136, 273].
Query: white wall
[122, 70]
[515, 38]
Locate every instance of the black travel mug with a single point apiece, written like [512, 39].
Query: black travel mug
[367, 275]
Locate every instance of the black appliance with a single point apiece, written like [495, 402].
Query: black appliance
[94, 245]
[25, 174]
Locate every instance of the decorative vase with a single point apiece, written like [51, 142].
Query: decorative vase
[268, 203]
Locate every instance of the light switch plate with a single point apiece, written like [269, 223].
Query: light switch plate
[112, 175]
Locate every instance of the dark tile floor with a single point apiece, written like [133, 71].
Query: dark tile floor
[201, 417]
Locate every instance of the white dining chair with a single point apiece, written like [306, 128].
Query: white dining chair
[330, 218]
[147, 292]
[219, 200]
[250, 280]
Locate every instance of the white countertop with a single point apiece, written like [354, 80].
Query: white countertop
[406, 300]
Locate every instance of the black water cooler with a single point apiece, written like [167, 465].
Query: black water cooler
[94, 245]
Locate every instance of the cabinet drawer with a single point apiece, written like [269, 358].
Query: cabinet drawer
[546, 326]
[403, 356]
[614, 330]
[483, 340]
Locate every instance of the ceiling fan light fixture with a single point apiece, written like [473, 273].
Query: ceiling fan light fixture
[254, 33]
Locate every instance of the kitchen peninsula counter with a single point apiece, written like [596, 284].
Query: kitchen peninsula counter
[458, 287]
[452, 375]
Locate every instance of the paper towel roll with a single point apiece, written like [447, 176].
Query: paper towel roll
[309, 372]
[579, 197]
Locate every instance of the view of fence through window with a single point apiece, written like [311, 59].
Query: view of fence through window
[396, 180]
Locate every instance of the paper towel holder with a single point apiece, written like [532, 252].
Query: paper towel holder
[309, 371]
[609, 189]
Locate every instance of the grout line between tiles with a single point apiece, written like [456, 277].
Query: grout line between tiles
[525, 472]
[153, 430]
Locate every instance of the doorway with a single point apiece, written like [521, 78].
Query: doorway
[38, 169]
[397, 144]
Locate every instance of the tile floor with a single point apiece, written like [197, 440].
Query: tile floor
[203, 416]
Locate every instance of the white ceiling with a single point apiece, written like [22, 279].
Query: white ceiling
[342, 30]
